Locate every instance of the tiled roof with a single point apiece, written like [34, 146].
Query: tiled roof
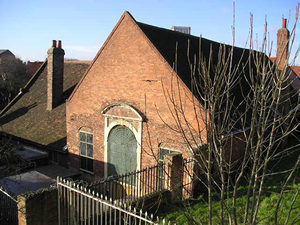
[26, 116]
[296, 70]
[32, 67]
[272, 58]
[167, 41]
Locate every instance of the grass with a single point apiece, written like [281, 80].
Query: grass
[196, 211]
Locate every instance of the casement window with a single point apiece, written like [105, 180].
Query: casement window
[86, 151]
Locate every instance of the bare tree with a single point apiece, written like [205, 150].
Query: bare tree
[12, 78]
[250, 111]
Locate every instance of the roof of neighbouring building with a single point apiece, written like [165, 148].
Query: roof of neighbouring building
[26, 116]
[272, 58]
[296, 70]
[33, 180]
[5, 50]
[33, 67]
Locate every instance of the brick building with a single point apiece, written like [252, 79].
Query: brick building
[118, 117]
[26, 118]
[6, 56]
[114, 115]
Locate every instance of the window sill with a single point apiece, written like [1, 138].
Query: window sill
[86, 171]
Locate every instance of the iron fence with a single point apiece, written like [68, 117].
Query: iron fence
[150, 180]
[79, 205]
[131, 186]
[8, 208]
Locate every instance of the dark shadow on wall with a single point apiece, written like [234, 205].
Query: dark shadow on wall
[58, 145]
[66, 95]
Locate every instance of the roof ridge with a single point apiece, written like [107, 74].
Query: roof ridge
[166, 29]
[24, 89]
[3, 50]
[193, 36]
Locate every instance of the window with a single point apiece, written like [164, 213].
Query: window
[86, 151]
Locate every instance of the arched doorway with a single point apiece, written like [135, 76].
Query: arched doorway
[122, 151]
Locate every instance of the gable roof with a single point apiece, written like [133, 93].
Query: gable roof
[2, 51]
[26, 116]
[173, 46]
[180, 48]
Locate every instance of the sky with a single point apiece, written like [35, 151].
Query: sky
[27, 27]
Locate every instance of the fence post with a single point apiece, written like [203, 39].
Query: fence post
[22, 210]
[174, 175]
[38, 208]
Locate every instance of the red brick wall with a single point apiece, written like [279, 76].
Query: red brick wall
[130, 70]
[38, 208]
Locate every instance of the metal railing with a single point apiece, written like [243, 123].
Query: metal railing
[137, 184]
[79, 205]
[131, 186]
[8, 208]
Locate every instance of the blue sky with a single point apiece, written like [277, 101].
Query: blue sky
[28, 26]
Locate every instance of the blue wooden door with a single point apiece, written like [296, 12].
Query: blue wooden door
[121, 154]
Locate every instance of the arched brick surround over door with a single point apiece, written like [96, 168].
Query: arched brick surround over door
[124, 118]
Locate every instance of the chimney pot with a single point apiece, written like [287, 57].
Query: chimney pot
[59, 44]
[284, 23]
[54, 43]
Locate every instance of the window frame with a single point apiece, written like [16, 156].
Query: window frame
[85, 156]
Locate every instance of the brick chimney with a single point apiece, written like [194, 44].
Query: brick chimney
[283, 36]
[55, 67]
